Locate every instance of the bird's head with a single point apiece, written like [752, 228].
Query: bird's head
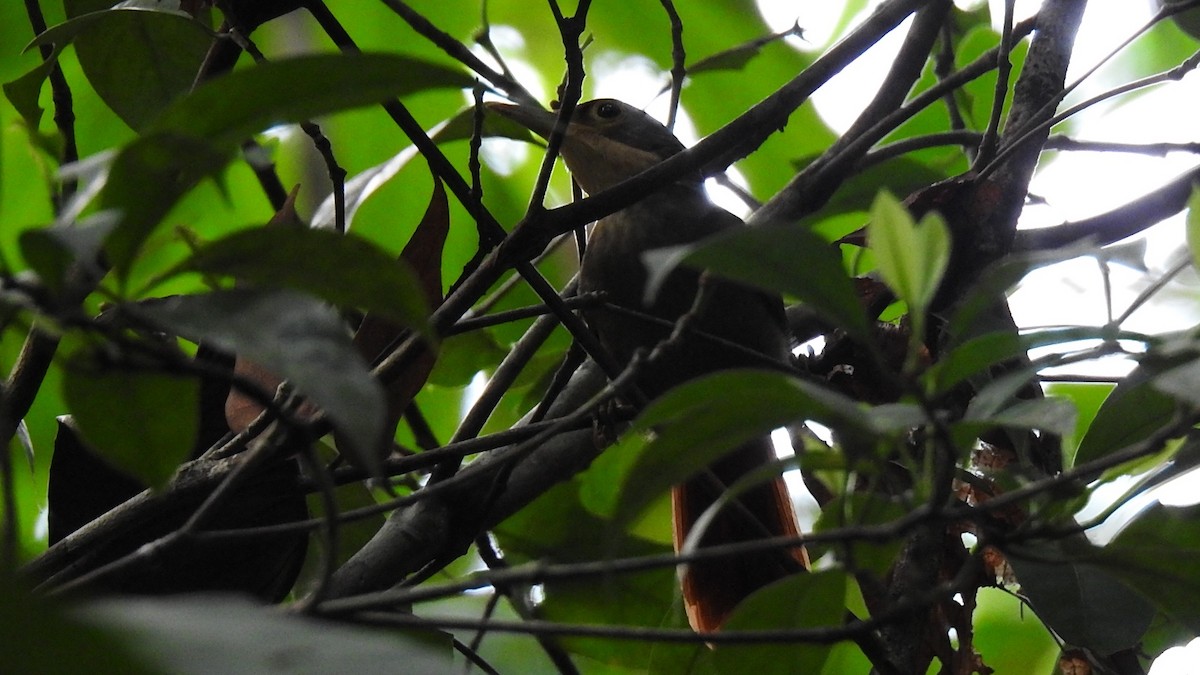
[606, 142]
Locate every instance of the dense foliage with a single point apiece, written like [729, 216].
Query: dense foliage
[199, 203]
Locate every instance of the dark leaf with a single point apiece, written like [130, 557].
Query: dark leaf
[232, 108]
[1134, 410]
[222, 634]
[1153, 555]
[978, 354]
[789, 260]
[1084, 603]
[139, 61]
[901, 176]
[41, 638]
[1051, 415]
[344, 269]
[54, 252]
[693, 428]
[296, 337]
[25, 91]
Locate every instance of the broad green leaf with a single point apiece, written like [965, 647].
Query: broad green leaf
[977, 355]
[1000, 393]
[146, 179]
[789, 260]
[1083, 602]
[65, 33]
[912, 257]
[556, 527]
[693, 427]
[1088, 397]
[464, 355]
[814, 600]
[25, 91]
[58, 251]
[295, 337]
[900, 175]
[41, 636]
[197, 134]
[140, 59]
[346, 270]
[229, 109]
[201, 635]
[144, 422]
[1002, 623]
[1052, 415]
[1152, 555]
[1134, 410]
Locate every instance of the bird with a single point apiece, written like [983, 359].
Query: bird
[606, 142]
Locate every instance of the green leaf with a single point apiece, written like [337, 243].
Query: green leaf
[556, 527]
[65, 33]
[1084, 603]
[139, 59]
[141, 421]
[41, 637]
[346, 270]
[1052, 415]
[789, 260]
[1088, 397]
[900, 175]
[146, 179]
[204, 634]
[229, 109]
[55, 252]
[295, 337]
[25, 91]
[800, 601]
[198, 133]
[1152, 554]
[977, 355]
[462, 356]
[693, 428]
[1134, 410]
[912, 257]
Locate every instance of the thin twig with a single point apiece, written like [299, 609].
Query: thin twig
[991, 136]
[1039, 122]
[456, 50]
[64, 108]
[678, 60]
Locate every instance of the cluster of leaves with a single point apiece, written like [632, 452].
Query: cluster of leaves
[174, 230]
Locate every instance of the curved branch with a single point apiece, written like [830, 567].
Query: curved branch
[1117, 224]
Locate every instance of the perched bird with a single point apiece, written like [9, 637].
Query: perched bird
[606, 142]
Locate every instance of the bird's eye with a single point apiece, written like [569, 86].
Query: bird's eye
[608, 110]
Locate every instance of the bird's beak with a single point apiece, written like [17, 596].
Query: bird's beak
[537, 120]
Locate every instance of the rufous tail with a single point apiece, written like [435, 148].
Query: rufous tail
[712, 588]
